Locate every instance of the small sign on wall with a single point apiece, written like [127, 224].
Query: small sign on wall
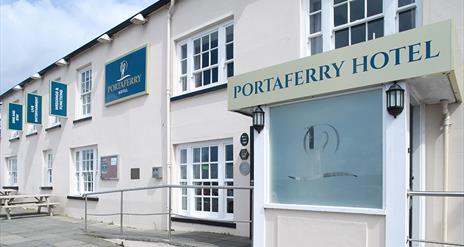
[109, 167]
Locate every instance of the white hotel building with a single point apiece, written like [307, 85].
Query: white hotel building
[331, 166]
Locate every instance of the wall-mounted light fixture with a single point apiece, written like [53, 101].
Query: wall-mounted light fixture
[104, 38]
[138, 19]
[61, 62]
[36, 76]
[17, 88]
[395, 100]
[258, 119]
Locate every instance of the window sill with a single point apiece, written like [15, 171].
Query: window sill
[81, 198]
[199, 92]
[53, 127]
[82, 119]
[32, 134]
[14, 139]
[11, 187]
[328, 209]
[46, 187]
[208, 222]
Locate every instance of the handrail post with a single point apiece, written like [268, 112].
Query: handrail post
[121, 214]
[169, 212]
[85, 213]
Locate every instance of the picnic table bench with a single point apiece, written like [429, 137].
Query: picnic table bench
[5, 192]
[8, 202]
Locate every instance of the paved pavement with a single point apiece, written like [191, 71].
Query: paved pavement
[61, 231]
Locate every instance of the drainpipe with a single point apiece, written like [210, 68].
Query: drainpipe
[446, 124]
[168, 106]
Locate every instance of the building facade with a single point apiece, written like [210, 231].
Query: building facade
[165, 99]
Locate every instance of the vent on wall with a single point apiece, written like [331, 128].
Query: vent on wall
[135, 173]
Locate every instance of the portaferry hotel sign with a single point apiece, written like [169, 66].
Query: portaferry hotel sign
[423, 51]
[125, 77]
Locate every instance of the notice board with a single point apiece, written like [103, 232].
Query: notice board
[109, 167]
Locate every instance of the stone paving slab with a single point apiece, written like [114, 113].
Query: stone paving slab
[60, 231]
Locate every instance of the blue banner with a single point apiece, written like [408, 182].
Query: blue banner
[125, 77]
[58, 99]
[33, 108]
[15, 116]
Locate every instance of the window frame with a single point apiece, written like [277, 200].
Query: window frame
[390, 14]
[221, 180]
[80, 95]
[78, 183]
[47, 170]
[221, 62]
[11, 174]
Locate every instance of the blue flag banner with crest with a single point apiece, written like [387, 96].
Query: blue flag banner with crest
[15, 116]
[125, 77]
[33, 108]
[58, 99]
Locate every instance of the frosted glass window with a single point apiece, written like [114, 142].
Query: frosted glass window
[328, 151]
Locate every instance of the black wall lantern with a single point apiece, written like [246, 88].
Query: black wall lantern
[258, 119]
[395, 100]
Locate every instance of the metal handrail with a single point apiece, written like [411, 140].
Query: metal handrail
[169, 212]
[435, 194]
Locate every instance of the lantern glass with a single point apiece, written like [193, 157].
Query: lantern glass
[258, 119]
[395, 100]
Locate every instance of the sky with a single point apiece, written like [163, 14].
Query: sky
[37, 33]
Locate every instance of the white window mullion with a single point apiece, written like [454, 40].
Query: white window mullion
[327, 25]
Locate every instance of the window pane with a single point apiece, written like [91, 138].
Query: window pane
[196, 46]
[316, 45]
[206, 77]
[205, 43]
[205, 171]
[214, 153]
[198, 82]
[356, 10]
[229, 152]
[341, 38]
[214, 171]
[229, 170]
[374, 7]
[183, 156]
[198, 203]
[315, 23]
[196, 62]
[205, 154]
[407, 20]
[196, 155]
[215, 205]
[183, 172]
[214, 39]
[229, 51]
[215, 75]
[230, 69]
[339, 1]
[214, 56]
[196, 171]
[205, 59]
[404, 2]
[184, 203]
[230, 205]
[375, 29]
[358, 34]
[314, 5]
[332, 156]
[340, 15]
[183, 51]
[184, 67]
[206, 204]
[229, 33]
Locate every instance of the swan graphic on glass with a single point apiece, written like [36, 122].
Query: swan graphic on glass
[320, 139]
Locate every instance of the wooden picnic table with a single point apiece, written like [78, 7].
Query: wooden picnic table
[5, 192]
[23, 201]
